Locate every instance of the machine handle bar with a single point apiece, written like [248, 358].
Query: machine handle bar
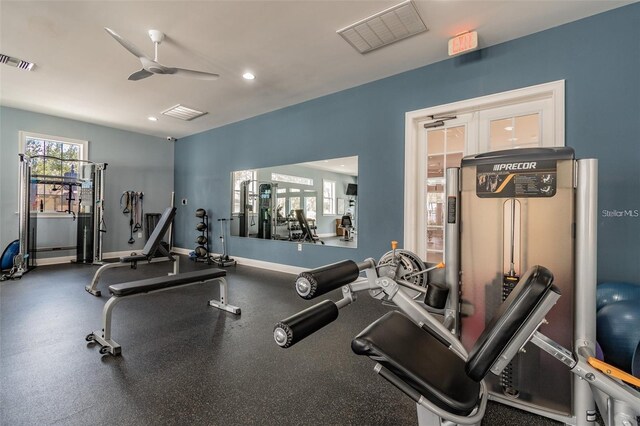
[316, 282]
[291, 330]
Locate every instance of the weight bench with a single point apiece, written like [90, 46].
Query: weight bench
[148, 254]
[445, 383]
[154, 285]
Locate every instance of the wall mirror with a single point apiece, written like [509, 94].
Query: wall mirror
[314, 202]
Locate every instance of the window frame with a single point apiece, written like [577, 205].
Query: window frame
[252, 189]
[330, 200]
[24, 135]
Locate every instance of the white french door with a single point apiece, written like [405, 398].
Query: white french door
[530, 117]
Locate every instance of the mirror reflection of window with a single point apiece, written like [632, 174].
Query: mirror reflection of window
[310, 207]
[314, 187]
[328, 197]
[237, 179]
[294, 203]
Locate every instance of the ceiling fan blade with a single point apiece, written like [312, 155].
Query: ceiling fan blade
[126, 44]
[191, 73]
[139, 75]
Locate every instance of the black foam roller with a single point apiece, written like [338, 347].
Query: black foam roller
[306, 322]
[329, 277]
[436, 296]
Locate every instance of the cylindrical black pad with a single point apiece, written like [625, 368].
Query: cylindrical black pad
[436, 296]
[295, 328]
[316, 282]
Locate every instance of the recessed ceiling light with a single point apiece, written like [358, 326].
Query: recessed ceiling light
[508, 128]
[248, 76]
[151, 118]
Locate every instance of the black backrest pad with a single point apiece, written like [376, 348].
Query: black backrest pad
[158, 232]
[513, 312]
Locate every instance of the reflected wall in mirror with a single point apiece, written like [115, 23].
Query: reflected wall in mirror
[314, 202]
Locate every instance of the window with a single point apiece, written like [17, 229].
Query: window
[236, 181]
[294, 203]
[278, 177]
[310, 207]
[328, 197]
[445, 146]
[57, 166]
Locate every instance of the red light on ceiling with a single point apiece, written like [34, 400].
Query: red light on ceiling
[464, 42]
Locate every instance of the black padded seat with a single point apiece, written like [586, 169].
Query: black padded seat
[158, 283]
[438, 374]
[420, 360]
[133, 258]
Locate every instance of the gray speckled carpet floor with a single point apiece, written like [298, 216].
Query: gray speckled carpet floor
[184, 362]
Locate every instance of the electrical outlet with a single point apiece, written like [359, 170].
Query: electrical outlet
[299, 247]
[139, 234]
[184, 201]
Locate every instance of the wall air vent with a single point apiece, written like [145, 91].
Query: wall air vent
[383, 28]
[183, 113]
[15, 62]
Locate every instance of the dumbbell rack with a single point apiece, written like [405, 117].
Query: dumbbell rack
[202, 253]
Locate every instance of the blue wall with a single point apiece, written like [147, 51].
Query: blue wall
[136, 162]
[599, 57]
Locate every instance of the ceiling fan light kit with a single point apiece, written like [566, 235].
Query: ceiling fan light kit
[152, 66]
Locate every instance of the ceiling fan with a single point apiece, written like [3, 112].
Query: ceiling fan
[149, 66]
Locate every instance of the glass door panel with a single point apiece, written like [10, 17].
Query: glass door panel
[445, 148]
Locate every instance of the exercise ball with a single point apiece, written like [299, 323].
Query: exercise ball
[201, 226]
[201, 252]
[599, 353]
[618, 331]
[611, 292]
[201, 239]
[201, 213]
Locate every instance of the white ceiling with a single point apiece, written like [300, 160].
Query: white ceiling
[291, 46]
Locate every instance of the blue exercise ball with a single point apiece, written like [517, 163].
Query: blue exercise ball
[611, 292]
[618, 331]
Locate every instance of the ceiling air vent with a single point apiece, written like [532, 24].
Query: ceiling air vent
[15, 62]
[383, 28]
[183, 113]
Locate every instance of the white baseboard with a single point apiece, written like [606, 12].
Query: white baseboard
[279, 267]
[66, 259]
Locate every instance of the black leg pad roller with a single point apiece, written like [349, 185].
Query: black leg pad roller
[316, 282]
[436, 296]
[295, 328]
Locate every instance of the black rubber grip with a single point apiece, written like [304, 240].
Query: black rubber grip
[317, 282]
[436, 296]
[295, 328]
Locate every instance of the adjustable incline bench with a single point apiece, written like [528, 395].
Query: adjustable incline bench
[154, 285]
[148, 252]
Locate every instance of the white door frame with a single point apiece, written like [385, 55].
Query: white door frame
[414, 138]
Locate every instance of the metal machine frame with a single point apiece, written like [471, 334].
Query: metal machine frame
[22, 260]
[585, 257]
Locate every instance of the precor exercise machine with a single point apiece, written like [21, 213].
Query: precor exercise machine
[89, 180]
[507, 211]
[422, 358]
